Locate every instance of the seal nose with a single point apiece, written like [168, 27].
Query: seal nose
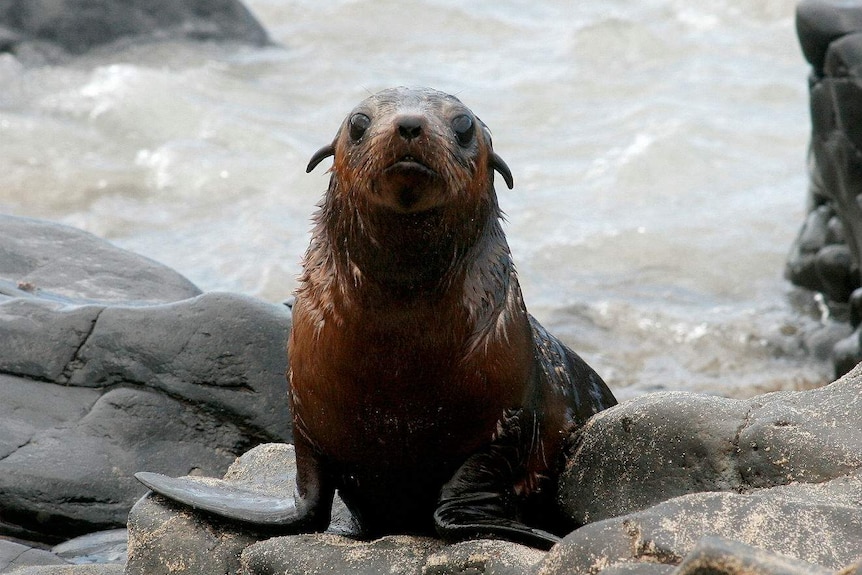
[410, 127]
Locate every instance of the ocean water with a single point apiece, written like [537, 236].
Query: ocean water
[658, 150]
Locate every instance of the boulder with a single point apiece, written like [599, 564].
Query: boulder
[780, 472]
[76, 26]
[825, 256]
[48, 261]
[113, 364]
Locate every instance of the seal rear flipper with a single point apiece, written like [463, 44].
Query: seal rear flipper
[480, 515]
[247, 506]
[480, 500]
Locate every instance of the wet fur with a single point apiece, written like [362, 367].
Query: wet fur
[421, 388]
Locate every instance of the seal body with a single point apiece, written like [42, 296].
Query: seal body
[421, 388]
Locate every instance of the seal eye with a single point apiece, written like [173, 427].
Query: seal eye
[464, 129]
[358, 124]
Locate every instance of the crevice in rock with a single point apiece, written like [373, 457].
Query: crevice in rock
[27, 376]
[17, 449]
[75, 362]
[736, 450]
[14, 559]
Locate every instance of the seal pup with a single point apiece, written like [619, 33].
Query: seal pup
[420, 387]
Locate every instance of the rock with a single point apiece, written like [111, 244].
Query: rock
[77, 26]
[165, 538]
[50, 261]
[817, 523]
[71, 570]
[483, 556]
[723, 557]
[16, 556]
[820, 22]
[324, 553]
[650, 449]
[113, 364]
[102, 547]
[781, 472]
[826, 254]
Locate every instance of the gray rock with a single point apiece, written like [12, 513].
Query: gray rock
[723, 557]
[16, 556]
[780, 472]
[168, 539]
[112, 569]
[102, 547]
[113, 364]
[817, 523]
[650, 449]
[52, 261]
[483, 556]
[325, 553]
[164, 538]
[80, 25]
[664, 445]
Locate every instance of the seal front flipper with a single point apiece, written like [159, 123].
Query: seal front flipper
[479, 515]
[308, 510]
[480, 500]
[221, 498]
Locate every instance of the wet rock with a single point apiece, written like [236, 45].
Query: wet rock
[168, 539]
[77, 26]
[781, 472]
[49, 261]
[112, 364]
[723, 557]
[324, 553]
[817, 523]
[820, 22]
[826, 254]
[71, 570]
[165, 538]
[17, 555]
[102, 547]
[483, 556]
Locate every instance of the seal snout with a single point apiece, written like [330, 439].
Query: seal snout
[410, 126]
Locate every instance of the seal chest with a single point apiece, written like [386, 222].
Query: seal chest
[421, 388]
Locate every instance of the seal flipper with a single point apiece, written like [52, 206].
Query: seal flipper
[309, 510]
[479, 500]
[223, 499]
[477, 515]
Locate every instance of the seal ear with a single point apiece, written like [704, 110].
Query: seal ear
[319, 156]
[498, 164]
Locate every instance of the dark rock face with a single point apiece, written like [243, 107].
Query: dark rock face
[80, 25]
[826, 255]
[111, 364]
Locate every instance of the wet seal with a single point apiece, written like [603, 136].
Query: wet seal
[421, 388]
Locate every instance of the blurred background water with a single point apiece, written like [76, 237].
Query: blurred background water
[658, 149]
